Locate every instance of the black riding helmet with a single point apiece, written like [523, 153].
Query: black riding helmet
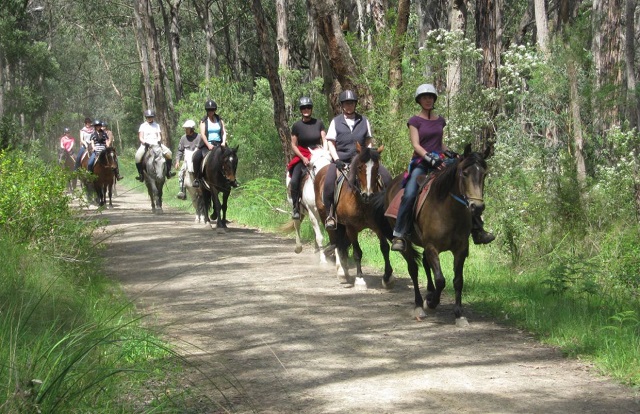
[305, 101]
[348, 95]
[210, 105]
[97, 122]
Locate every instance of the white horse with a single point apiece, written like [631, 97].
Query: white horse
[195, 193]
[320, 157]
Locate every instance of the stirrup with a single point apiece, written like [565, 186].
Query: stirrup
[196, 183]
[295, 215]
[181, 195]
[330, 223]
[399, 244]
[140, 178]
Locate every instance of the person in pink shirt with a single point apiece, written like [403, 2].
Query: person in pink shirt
[66, 144]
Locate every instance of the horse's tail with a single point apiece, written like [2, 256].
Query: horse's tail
[378, 209]
[288, 227]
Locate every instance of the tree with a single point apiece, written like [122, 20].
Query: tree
[397, 50]
[172, 30]
[282, 37]
[279, 112]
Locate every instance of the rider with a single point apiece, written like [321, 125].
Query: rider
[149, 134]
[188, 142]
[426, 133]
[344, 131]
[66, 144]
[306, 134]
[107, 130]
[85, 138]
[212, 128]
[99, 141]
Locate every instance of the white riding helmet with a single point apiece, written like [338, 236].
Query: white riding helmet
[426, 88]
[189, 124]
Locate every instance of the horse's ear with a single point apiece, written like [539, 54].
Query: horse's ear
[380, 149]
[467, 151]
[358, 147]
[236, 148]
[488, 151]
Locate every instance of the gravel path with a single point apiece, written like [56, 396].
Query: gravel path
[275, 333]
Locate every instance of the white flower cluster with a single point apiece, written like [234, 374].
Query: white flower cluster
[518, 62]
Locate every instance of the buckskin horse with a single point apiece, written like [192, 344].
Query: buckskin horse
[219, 176]
[153, 164]
[443, 223]
[354, 212]
[320, 157]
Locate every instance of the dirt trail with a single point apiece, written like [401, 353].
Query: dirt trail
[277, 334]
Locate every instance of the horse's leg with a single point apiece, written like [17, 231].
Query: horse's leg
[341, 242]
[410, 256]
[434, 263]
[110, 188]
[296, 225]
[431, 288]
[218, 209]
[387, 279]
[357, 257]
[458, 282]
[314, 218]
[225, 198]
[159, 193]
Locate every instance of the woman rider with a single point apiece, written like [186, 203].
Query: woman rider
[306, 134]
[426, 130]
[344, 131]
[213, 133]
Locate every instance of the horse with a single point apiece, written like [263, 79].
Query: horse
[195, 193]
[443, 223]
[219, 176]
[354, 213]
[153, 164]
[68, 162]
[320, 158]
[104, 171]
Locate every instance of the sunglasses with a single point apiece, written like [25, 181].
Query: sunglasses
[306, 107]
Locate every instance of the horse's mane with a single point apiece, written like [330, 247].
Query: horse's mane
[363, 157]
[445, 179]
[103, 153]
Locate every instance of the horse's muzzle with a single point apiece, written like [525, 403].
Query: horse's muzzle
[476, 207]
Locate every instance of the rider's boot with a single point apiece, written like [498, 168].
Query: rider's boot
[117, 173]
[478, 234]
[295, 200]
[167, 165]
[140, 176]
[330, 222]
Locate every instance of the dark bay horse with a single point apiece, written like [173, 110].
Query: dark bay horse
[219, 176]
[355, 212]
[104, 171]
[153, 165]
[443, 224]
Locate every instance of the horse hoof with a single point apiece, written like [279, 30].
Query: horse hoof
[462, 322]
[298, 249]
[419, 314]
[360, 284]
[343, 279]
[221, 230]
[389, 284]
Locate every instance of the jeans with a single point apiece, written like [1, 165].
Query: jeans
[79, 156]
[405, 213]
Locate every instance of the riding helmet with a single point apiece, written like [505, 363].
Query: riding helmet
[97, 122]
[149, 113]
[426, 88]
[210, 104]
[305, 101]
[66, 130]
[189, 124]
[348, 95]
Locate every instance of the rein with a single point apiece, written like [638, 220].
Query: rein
[463, 199]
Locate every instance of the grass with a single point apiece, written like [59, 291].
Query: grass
[601, 326]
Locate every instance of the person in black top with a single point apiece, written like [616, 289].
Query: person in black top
[99, 141]
[306, 134]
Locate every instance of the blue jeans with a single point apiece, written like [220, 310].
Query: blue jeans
[92, 161]
[79, 157]
[405, 213]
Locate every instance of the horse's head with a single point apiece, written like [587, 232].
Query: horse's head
[155, 162]
[108, 158]
[230, 165]
[471, 172]
[320, 157]
[363, 172]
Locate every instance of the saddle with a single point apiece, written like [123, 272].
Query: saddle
[424, 185]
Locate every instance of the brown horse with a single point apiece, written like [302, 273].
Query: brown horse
[443, 223]
[104, 171]
[219, 177]
[354, 212]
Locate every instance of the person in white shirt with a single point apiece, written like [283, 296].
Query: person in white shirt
[149, 133]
